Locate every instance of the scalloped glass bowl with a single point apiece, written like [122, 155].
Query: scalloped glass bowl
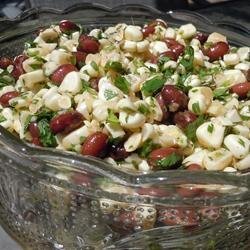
[51, 199]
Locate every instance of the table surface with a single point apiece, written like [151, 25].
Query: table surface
[235, 11]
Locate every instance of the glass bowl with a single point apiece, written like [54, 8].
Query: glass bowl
[51, 199]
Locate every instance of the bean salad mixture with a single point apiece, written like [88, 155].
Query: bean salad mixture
[141, 98]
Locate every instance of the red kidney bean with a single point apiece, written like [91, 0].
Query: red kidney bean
[148, 30]
[37, 141]
[80, 58]
[241, 89]
[66, 122]
[5, 98]
[211, 213]
[170, 54]
[194, 167]
[88, 44]
[189, 191]
[160, 153]
[175, 46]
[182, 119]
[34, 130]
[175, 98]
[95, 144]
[154, 191]
[164, 109]
[178, 216]
[118, 152]
[94, 83]
[59, 74]
[158, 22]
[5, 62]
[201, 37]
[18, 66]
[216, 51]
[67, 26]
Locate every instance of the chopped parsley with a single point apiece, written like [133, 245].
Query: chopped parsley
[86, 87]
[122, 83]
[31, 44]
[190, 130]
[169, 161]
[221, 94]
[180, 84]
[152, 85]
[46, 136]
[27, 123]
[115, 66]
[94, 66]
[143, 109]
[163, 59]
[112, 118]
[45, 114]
[147, 147]
[2, 118]
[109, 94]
[196, 108]
[188, 58]
[210, 128]
[241, 142]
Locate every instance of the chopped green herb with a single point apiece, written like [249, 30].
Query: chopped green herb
[143, 109]
[94, 66]
[112, 118]
[35, 66]
[147, 147]
[46, 136]
[241, 142]
[169, 161]
[196, 108]
[86, 87]
[6, 79]
[188, 58]
[221, 94]
[180, 84]
[210, 128]
[190, 130]
[163, 59]
[27, 123]
[109, 94]
[40, 59]
[31, 44]
[153, 85]
[122, 83]
[2, 118]
[204, 72]
[168, 72]
[45, 114]
[115, 66]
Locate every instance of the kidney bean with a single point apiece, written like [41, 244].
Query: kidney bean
[95, 144]
[66, 122]
[118, 152]
[170, 54]
[182, 119]
[194, 167]
[18, 66]
[148, 30]
[160, 153]
[216, 51]
[175, 98]
[88, 44]
[175, 46]
[5, 98]
[37, 141]
[189, 191]
[67, 26]
[80, 58]
[241, 89]
[5, 62]
[34, 130]
[164, 109]
[59, 74]
[201, 37]
[158, 22]
[94, 83]
[178, 216]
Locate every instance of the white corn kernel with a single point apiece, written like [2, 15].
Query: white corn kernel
[126, 104]
[197, 104]
[210, 134]
[90, 70]
[133, 142]
[131, 121]
[195, 158]
[217, 160]
[157, 47]
[231, 59]
[115, 130]
[242, 130]
[129, 46]
[192, 81]
[198, 58]
[143, 166]
[216, 109]
[142, 46]
[49, 68]
[60, 57]
[242, 66]
[32, 78]
[147, 132]
[71, 83]
[232, 103]
[216, 37]
[229, 170]
[187, 31]
[244, 53]
[233, 115]
[238, 145]
[170, 33]
[244, 163]
[133, 33]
